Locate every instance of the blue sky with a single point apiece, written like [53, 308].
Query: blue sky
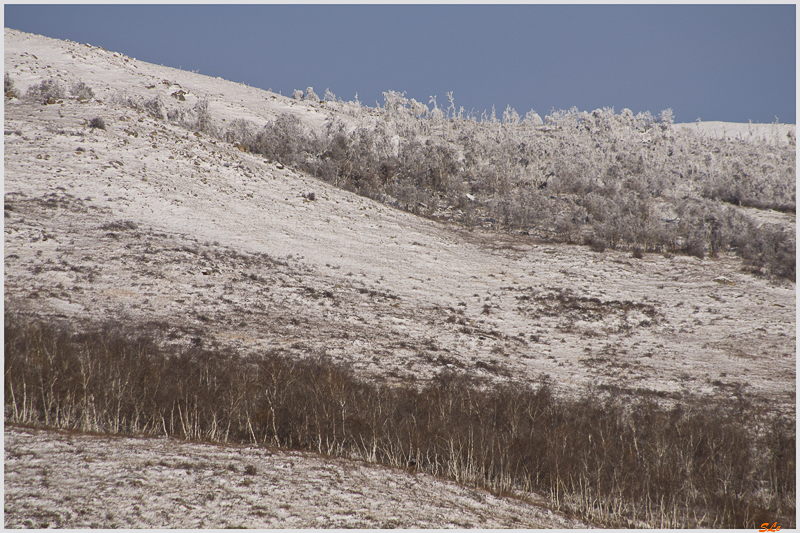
[715, 62]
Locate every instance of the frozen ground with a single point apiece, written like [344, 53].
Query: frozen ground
[58, 479]
[160, 228]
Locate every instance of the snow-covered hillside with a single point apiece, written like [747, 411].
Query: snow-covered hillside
[180, 233]
[110, 482]
[399, 284]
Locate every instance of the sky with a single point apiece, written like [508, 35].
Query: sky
[734, 63]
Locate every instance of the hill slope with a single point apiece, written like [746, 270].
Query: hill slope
[114, 482]
[177, 232]
[148, 222]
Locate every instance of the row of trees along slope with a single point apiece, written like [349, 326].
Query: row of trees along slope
[622, 181]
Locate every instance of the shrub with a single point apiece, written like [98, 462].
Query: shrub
[48, 91]
[81, 91]
[8, 87]
[153, 107]
[311, 96]
[597, 244]
[696, 247]
[283, 140]
[98, 123]
[202, 120]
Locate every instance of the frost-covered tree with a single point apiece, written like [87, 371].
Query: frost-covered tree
[665, 118]
[395, 103]
[510, 116]
[311, 96]
[418, 109]
[532, 118]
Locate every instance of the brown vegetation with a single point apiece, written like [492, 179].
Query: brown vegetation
[619, 464]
